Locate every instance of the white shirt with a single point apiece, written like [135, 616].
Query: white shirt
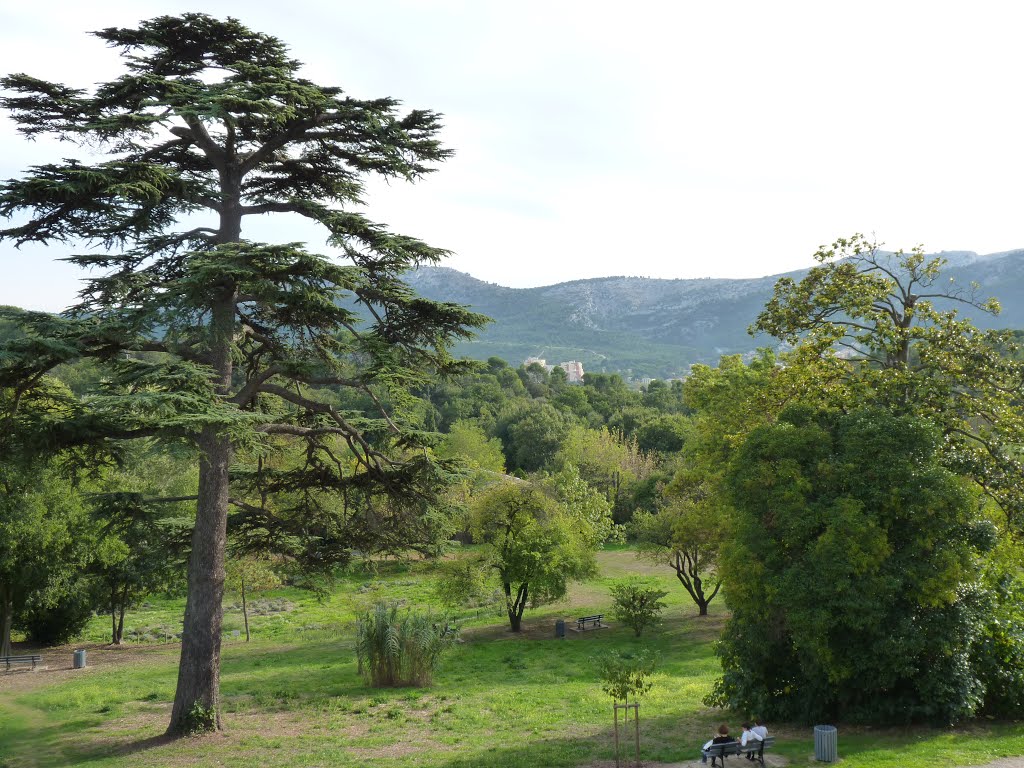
[749, 736]
[760, 731]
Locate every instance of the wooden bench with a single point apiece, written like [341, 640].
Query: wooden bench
[594, 621]
[754, 747]
[10, 661]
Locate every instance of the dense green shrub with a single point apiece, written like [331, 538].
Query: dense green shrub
[853, 574]
[637, 603]
[57, 616]
[398, 648]
[998, 652]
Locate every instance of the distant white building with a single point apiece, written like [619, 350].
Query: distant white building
[573, 371]
[573, 368]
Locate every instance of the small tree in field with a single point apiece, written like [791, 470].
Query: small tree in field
[533, 546]
[687, 539]
[245, 575]
[230, 346]
[625, 676]
[142, 547]
[638, 603]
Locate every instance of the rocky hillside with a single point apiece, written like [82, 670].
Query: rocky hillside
[649, 327]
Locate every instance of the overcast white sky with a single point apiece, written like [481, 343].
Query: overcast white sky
[665, 139]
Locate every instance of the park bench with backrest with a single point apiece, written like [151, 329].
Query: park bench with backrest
[594, 621]
[730, 748]
[9, 661]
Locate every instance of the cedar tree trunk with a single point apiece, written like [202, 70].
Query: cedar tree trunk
[199, 669]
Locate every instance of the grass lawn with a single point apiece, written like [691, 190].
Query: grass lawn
[292, 696]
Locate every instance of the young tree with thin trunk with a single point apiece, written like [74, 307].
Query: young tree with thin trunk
[210, 126]
[246, 575]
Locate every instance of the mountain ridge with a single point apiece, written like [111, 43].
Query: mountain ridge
[658, 327]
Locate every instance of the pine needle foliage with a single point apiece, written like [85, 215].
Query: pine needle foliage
[400, 648]
[233, 347]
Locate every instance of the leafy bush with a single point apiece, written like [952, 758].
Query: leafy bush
[462, 582]
[396, 649]
[637, 603]
[200, 719]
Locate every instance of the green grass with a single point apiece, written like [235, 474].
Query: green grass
[292, 697]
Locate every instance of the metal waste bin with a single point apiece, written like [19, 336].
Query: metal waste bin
[79, 660]
[560, 628]
[826, 743]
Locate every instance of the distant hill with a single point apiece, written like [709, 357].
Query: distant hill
[646, 327]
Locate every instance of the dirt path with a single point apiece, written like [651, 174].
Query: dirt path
[56, 663]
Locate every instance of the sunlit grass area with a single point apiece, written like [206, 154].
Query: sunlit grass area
[293, 696]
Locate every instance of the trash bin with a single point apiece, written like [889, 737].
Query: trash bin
[560, 628]
[826, 743]
[79, 660]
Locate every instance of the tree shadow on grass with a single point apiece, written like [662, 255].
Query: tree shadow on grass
[62, 744]
[663, 740]
[142, 745]
[661, 743]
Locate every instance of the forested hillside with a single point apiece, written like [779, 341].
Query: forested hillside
[646, 327]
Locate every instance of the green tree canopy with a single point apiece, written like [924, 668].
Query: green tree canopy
[45, 532]
[884, 328]
[532, 433]
[468, 440]
[852, 575]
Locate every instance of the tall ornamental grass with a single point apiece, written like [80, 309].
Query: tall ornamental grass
[400, 648]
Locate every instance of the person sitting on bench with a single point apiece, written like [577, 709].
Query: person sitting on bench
[751, 737]
[723, 737]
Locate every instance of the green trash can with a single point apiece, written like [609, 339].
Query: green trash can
[79, 660]
[826, 743]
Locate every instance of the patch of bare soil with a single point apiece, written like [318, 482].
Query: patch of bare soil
[57, 664]
[399, 749]
[540, 629]
[127, 735]
[622, 562]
